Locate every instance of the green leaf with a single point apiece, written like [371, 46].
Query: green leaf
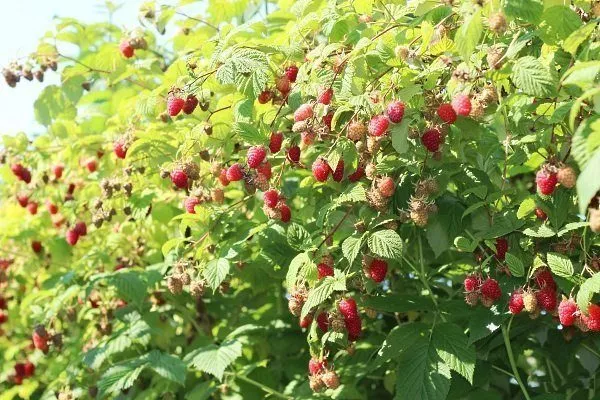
[400, 339]
[526, 207]
[167, 366]
[542, 231]
[515, 265]
[250, 133]
[560, 265]
[468, 35]
[351, 247]
[214, 359]
[297, 264]
[298, 237]
[129, 285]
[354, 194]
[215, 272]
[533, 77]
[398, 303]
[557, 24]
[588, 183]
[322, 292]
[484, 321]
[386, 243]
[464, 244]
[363, 6]
[575, 39]
[587, 290]
[399, 133]
[121, 376]
[528, 10]
[452, 345]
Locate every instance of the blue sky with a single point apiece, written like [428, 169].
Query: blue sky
[22, 23]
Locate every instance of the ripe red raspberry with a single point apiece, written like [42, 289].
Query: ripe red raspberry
[223, 177]
[286, 213]
[293, 154]
[338, 174]
[472, 283]
[32, 207]
[347, 308]
[546, 181]
[190, 104]
[308, 137]
[126, 48]
[265, 96]
[323, 321]
[58, 170]
[306, 321]
[386, 187]
[515, 303]
[540, 214]
[544, 279]
[501, 248]
[321, 170]
[72, 237]
[29, 369]
[567, 312]
[324, 270]
[81, 228]
[357, 175]
[179, 178]
[17, 169]
[271, 198]
[23, 199]
[174, 105]
[354, 327]
[461, 103]
[316, 366]
[378, 125]
[291, 72]
[120, 149]
[3, 317]
[490, 289]
[327, 120]
[592, 320]
[304, 112]
[447, 113]
[36, 246]
[283, 84]
[40, 338]
[235, 172]
[51, 207]
[71, 188]
[546, 298]
[19, 369]
[275, 142]
[190, 203]
[91, 165]
[325, 96]
[432, 139]
[395, 111]
[264, 169]
[378, 270]
[255, 156]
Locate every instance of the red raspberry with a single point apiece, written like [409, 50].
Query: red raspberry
[286, 213]
[275, 142]
[320, 170]
[354, 327]
[223, 177]
[395, 111]
[3, 317]
[324, 270]
[120, 149]
[32, 207]
[307, 137]
[592, 320]
[17, 170]
[323, 321]
[347, 308]
[546, 181]
[327, 120]
[3, 305]
[40, 340]
[291, 72]
[179, 178]
[501, 248]
[490, 289]
[378, 125]
[23, 199]
[304, 112]
[126, 49]
[306, 321]
[357, 175]
[447, 113]
[293, 154]
[264, 169]
[58, 170]
[462, 104]
[20, 369]
[283, 84]
[26, 176]
[52, 208]
[338, 174]
[71, 188]
[174, 105]
[190, 203]
[316, 366]
[567, 312]
[378, 270]
[432, 139]
[544, 279]
[81, 228]
[546, 298]
[29, 369]
[386, 187]
[540, 214]
[271, 198]
[36, 246]
[190, 104]
[235, 172]
[91, 165]
[472, 283]
[265, 96]
[325, 96]
[255, 156]
[515, 303]
[72, 237]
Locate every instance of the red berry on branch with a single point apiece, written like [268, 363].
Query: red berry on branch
[446, 113]
[271, 198]
[293, 154]
[23, 199]
[174, 105]
[264, 169]
[321, 170]
[120, 149]
[338, 174]
[546, 181]
[255, 156]
[357, 175]
[235, 172]
[515, 303]
[223, 177]
[325, 96]
[540, 214]
[546, 298]
[58, 170]
[304, 112]
[395, 111]
[501, 248]
[472, 283]
[283, 84]
[72, 237]
[275, 142]
[126, 49]
[36, 246]
[323, 321]
[291, 72]
[378, 270]
[190, 104]
[490, 289]
[378, 125]
[324, 270]
[462, 104]
[432, 139]
[386, 187]
[91, 165]
[567, 312]
[306, 321]
[348, 308]
[32, 207]
[179, 178]
[265, 96]
[544, 279]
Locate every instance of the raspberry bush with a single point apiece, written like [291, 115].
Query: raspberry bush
[307, 199]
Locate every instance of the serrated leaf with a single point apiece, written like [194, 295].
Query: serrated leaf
[167, 366]
[464, 244]
[129, 286]
[250, 133]
[515, 265]
[528, 10]
[298, 237]
[354, 194]
[214, 359]
[526, 207]
[588, 183]
[533, 77]
[468, 35]
[587, 290]
[386, 243]
[351, 248]
[560, 265]
[319, 294]
[452, 345]
[572, 43]
[295, 267]
[542, 231]
[215, 272]
[399, 133]
[121, 376]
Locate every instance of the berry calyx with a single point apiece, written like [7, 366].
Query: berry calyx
[432, 139]
[446, 113]
[378, 125]
[179, 178]
[255, 156]
[395, 111]
[461, 104]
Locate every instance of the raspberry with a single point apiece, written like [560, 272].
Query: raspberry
[58, 170]
[304, 112]
[541, 214]
[306, 321]
[316, 366]
[217, 195]
[378, 270]
[40, 338]
[324, 270]
[325, 96]
[32, 207]
[3, 317]
[592, 320]
[348, 308]
[544, 279]
[386, 187]
[357, 175]
[320, 170]
[26, 176]
[293, 154]
[256, 155]
[174, 105]
[283, 84]
[546, 298]
[275, 142]
[179, 178]
[567, 312]
[23, 199]
[323, 321]
[395, 111]
[567, 177]
[546, 181]
[338, 174]
[81, 228]
[19, 369]
[461, 103]
[265, 96]
[530, 301]
[432, 139]
[72, 237]
[223, 177]
[190, 203]
[286, 213]
[497, 22]
[126, 48]
[515, 303]
[354, 327]
[91, 165]
[36, 246]
[29, 369]
[190, 104]
[308, 137]
[315, 382]
[472, 283]
[378, 125]
[331, 379]
[271, 197]
[291, 72]
[356, 131]
[264, 169]
[120, 149]
[17, 170]
[490, 289]
[501, 248]
[52, 208]
[235, 173]
[446, 113]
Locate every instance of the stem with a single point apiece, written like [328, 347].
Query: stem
[259, 385]
[335, 228]
[511, 359]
